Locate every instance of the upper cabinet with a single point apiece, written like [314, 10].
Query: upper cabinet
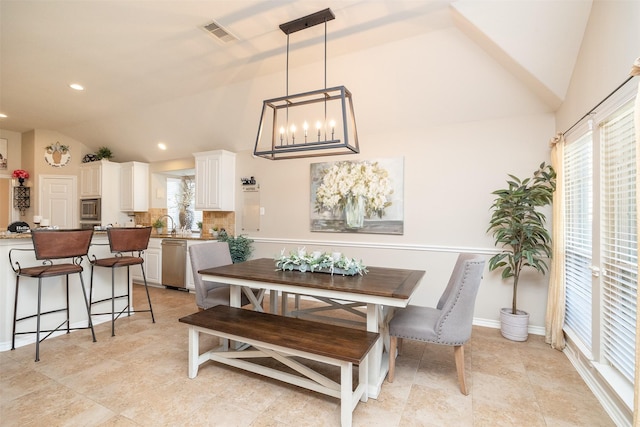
[134, 187]
[215, 180]
[94, 174]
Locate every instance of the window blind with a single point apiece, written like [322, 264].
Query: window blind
[578, 236]
[619, 233]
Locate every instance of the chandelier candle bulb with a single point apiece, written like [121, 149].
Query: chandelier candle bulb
[281, 135]
[318, 126]
[332, 123]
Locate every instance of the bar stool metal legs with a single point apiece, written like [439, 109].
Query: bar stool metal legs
[40, 313]
[115, 315]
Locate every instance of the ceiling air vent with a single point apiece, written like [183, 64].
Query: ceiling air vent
[219, 33]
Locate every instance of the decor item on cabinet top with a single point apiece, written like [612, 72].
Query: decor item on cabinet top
[320, 262]
[104, 153]
[240, 246]
[21, 175]
[57, 155]
[88, 158]
[344, 194]
[518, 226]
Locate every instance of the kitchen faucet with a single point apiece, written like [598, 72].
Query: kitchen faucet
[173, 226]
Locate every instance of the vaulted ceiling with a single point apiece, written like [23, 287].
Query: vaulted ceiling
[134, 56]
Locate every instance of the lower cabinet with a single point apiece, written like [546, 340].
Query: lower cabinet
[152, 264]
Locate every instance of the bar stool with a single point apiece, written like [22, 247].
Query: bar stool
[121, 241]
[50, 245]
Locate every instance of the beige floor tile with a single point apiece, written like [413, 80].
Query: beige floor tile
[139, 378]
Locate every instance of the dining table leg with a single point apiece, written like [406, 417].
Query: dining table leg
[378, 363]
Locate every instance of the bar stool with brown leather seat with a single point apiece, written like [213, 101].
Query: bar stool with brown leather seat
[122, 241]
[51, 245]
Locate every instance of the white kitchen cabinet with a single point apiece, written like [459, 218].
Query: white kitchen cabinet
[134, 187]
[215, 180]
[152, 264]
[100, 180]
[91, 179]
[96, 177]
[153, 261]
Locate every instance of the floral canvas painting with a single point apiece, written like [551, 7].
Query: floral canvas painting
[358, 196]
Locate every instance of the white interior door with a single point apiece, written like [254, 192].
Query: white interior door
[58, 200]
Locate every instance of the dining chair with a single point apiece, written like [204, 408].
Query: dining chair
[449, 323]
[126, 246]
[49, 245]
[210, 255]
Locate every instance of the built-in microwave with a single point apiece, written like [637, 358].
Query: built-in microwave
[90, 210]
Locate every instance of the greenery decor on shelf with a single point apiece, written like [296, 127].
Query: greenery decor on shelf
[104, 153]
[320, 262]
[158, 223]
[240, 247]
[518, 226]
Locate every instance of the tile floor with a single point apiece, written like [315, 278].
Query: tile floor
[139, 378]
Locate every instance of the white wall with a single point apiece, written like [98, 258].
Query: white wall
[461, 123]
[611, 43]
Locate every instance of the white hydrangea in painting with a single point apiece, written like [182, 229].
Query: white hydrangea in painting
[345, 182]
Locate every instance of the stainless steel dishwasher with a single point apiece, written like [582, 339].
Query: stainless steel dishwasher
[174, 263]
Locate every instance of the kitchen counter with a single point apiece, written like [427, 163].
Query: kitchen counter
[193, 236]
[53, 292]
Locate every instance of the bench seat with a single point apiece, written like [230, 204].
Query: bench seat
[283, 338]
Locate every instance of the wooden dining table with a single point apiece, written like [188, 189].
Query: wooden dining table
[380, 289]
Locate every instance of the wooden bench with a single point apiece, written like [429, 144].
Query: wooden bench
[283, 338]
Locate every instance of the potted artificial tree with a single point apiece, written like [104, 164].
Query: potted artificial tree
[518, 226]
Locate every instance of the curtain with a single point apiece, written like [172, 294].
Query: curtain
[554, 320]
[635, 71]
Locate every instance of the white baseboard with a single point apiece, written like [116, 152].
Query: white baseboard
[495, 324]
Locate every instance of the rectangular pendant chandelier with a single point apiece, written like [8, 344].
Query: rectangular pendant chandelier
[309, 124]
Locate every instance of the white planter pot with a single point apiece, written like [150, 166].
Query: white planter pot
[514, 327]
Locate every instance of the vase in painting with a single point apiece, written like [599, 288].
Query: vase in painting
[354, 212]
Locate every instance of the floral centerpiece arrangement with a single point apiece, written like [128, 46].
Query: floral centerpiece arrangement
[357, 188]
[321, 262]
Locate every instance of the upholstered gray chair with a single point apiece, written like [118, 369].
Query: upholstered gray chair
[209, 255]
[447, 324]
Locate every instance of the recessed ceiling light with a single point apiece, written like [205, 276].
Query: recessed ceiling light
[162, 146]
[76, 86]
[3, 116]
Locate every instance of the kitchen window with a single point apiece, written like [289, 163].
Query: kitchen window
[175, 195]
